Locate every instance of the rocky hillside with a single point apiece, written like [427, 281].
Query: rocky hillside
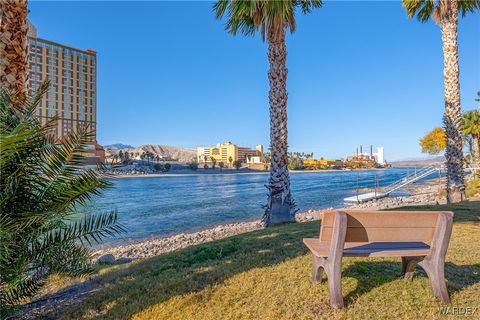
[165, 152]
[418, 162]
[117, 146]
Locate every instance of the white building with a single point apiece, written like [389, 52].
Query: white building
[379, 156]
[254, 159]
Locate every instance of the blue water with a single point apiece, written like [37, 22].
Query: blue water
[159, 206]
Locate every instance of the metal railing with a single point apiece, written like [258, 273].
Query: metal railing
[413, 177]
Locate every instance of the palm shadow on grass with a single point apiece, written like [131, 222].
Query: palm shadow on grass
[151, 281]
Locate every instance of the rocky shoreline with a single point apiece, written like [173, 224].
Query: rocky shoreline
[425, 194]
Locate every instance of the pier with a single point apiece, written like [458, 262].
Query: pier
[409, 179]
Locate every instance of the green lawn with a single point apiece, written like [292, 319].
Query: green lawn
[265, 275]
[473, 187]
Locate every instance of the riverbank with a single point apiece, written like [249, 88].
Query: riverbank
[217, 171]
[427, 193]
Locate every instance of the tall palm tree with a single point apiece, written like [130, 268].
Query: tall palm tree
[14, 47]
[272, 18]
[471, 126]
[445, 13]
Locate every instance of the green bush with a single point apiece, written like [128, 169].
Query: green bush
[193, 165]
[158, 167]
[167, 167]
[295, 166]
[42, 183]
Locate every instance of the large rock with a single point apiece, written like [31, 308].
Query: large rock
[106, 258]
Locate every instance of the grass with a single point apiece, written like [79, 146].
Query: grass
[265, 275]
[473, 187]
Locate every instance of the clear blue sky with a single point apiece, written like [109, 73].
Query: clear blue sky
[359, 73]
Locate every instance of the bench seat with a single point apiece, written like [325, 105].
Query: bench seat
[370, 249]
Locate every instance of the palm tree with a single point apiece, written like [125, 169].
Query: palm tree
[471, 126]
[445, 13]
[14, 47]
[272, 18]
[214, 161]
[230, 159]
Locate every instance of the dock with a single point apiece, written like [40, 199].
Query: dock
[364, 197]
[417, 175]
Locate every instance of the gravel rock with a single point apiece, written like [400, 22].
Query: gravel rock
[123, 260]
[156, 246]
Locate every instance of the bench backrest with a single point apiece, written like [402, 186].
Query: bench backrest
[383, 226]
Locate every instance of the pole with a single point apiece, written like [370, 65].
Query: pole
[357, 187]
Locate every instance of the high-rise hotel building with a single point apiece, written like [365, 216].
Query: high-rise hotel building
[72, 95]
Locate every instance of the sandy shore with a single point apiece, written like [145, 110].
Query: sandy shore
[427, 193]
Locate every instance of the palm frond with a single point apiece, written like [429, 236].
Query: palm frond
[426, 9]
[270, 17]
[20, 290]
[42, 184]
[91, 228]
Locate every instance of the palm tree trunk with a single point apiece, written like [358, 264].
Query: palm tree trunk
[280, 205]
[14, 47]
[475, 155]
[452, 118]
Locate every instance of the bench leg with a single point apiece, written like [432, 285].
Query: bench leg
[317, 269]
[436, 275]
[408, 266]
[334, 275]
[333, 269]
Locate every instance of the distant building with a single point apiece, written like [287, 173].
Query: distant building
[72, 95]
[226, 151]
[378, 156]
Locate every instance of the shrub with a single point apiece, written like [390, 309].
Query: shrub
[237, 164]
[295, 166]
[167, 167]
[42, 185]
[158, 167]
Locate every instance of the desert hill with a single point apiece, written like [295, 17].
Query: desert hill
[167, 153]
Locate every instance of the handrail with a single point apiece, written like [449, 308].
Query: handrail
[422, 173]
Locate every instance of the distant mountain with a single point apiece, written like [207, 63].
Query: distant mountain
[168, 153]
[417, 162]
[118, 146]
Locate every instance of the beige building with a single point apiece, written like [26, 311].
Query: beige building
[227, 151]
[72, 95]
